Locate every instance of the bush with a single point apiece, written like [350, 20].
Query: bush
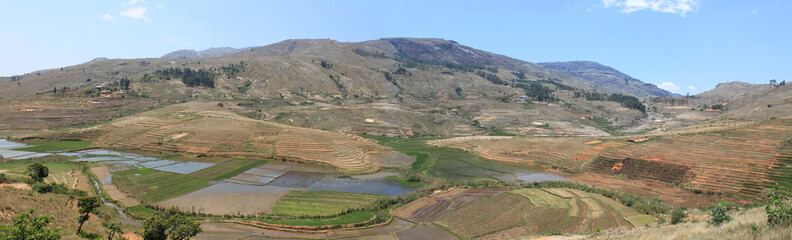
[779, 207]
[720, 214]
[677, 216]
[3, 178]
[42, 188]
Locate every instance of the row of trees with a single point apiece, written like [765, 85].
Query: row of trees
[191, 78]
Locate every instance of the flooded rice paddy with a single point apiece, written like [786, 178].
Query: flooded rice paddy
[114, 159]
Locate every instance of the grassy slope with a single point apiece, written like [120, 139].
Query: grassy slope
[487, 215]
[14, 201]
[151, 185]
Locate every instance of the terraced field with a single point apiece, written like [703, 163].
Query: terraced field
[738, 161]
[498, 213]
[741, 162]
[306, 203]
[204, 128]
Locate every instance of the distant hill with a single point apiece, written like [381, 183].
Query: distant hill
[208, 53]
[608, 77]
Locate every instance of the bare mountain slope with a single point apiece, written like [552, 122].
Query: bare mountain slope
[608, 77]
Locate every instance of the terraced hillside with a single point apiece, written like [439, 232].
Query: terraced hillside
[203, 128]
[738, 161]
[485, 213]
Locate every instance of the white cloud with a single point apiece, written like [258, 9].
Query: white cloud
[136, 13]
[680, 7]
[133, 2]
[691, 87]
[108, 17]
[669, 86]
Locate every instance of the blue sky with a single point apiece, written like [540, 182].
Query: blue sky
[682, 45]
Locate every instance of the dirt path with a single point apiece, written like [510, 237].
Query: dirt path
[22, 186]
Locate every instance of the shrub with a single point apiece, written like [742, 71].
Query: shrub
[720, 214]
[3, 178]
[677, 216]
[42, 188]
[779, 207]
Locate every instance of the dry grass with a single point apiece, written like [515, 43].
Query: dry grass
[63, 209]
[739, 228]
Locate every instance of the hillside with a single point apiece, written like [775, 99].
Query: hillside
[208, 129]
[608, 77]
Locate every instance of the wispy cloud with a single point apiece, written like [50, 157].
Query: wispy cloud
[679, 7]
[136, 13]
[133, 2]
[691, 87]
[108, 17]
[669, 86]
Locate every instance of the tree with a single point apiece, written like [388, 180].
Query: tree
[29, 227]
[779, 206]
[170, 224]
[87, 206]
[37, 172]
[113, 229]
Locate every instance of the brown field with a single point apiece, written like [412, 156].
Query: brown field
[487, 215]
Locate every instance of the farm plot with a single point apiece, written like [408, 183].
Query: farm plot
[150, 185]
[307, 203]
[431, 208]
[487, 215]
[544, 152]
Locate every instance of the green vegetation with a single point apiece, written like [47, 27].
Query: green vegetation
[641, 220]
[140, 212]
[639, 204]
[57, 146]
[719, 214]
[151, 185]
[450, 164]
[540, 197]
[87, 206]
[322, 203]
[191, 78]
[537, 91]
[229, 168]
[37, 172]
[26, 226]
[170, 225]
[779, 207]
[677, 216]
[411, 181]
[349, 218]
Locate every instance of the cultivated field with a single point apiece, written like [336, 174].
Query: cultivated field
[306, 203]
[497, 213]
